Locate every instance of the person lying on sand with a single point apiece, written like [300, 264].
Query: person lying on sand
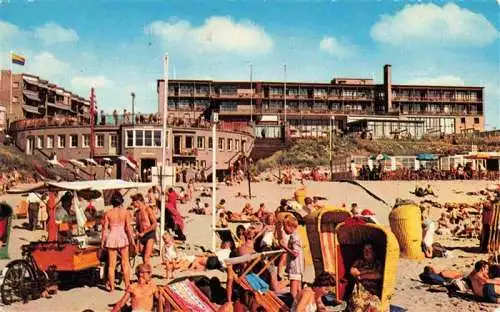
[212, 261]
[432, 275]
[141, 294]
[482, 285]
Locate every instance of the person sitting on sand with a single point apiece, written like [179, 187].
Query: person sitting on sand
[213, 261]
[428, 191]
[247, 245]
[223, 220]
[172, 259]
[310, 298]
[247, 210]
[444, 225]
[482, 285]
[140, 294]
[197, 207]
[220, 206]
[261, 212]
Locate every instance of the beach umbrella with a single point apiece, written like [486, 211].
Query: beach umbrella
[380, 157]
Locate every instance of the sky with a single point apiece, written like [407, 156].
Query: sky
[119, 46]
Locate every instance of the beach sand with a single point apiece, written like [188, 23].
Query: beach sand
[410, 294]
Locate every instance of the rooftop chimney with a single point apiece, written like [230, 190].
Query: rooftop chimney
[388, 88]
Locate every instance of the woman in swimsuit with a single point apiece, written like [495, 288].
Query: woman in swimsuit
[116, 237]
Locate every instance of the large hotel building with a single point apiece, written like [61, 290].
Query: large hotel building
[47, 119]
[350, 104]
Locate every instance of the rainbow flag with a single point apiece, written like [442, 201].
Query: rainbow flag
[18, 59]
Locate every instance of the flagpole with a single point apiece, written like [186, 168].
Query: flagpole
[251, 94]
[164, 152]
[284, 69]
[10, 91]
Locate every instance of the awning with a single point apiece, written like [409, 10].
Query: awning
[59, 106]
[35, 83]
[269, 118]
[131, 164]
[427, 157]
[31, 109]
[55, 162]
[91, 161]
[31, 95]
[107, 159]
[77, 163]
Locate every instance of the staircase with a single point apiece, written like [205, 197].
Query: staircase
[265, 147]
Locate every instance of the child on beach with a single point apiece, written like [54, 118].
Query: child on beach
[172, 259]
[141, 294]
[295, 259]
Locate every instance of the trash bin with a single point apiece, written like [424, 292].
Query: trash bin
[405, 221]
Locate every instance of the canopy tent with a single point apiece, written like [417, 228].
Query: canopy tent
[91, 161]
[483, 156]
[380, 157]
[77, 163]
[130, 163]
[427, 157]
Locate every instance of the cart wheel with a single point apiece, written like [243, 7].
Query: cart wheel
[19, 283]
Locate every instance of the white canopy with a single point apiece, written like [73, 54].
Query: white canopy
[131, 164]
[77, 163]
[91, 161]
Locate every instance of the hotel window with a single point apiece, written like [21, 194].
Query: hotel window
[61, 141]
[148, 138]
[50, 141]
[157, 138]
[203, 164]
[236, 145]
[200, 142]
[476, 121]
[229, 144]
[462, 120]
[73, 141]
[189, 142]
[85, 140]
[210, 143]
[113, 141]
[39, 141]
[139, 137]
[130, 138]
[99, 140]
[221, 144]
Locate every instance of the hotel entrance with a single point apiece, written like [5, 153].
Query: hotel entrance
[146, 165]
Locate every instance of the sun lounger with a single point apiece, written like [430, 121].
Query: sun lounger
[252, 281]
[184, 296]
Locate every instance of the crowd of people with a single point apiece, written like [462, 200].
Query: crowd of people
[10, 178]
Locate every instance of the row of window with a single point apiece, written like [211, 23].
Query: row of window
[144, 138]
[75, 141]
[227, 144]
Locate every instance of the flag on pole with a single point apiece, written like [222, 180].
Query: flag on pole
[18, 59]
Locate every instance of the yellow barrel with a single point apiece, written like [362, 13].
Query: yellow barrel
[405, 222]
[300, 195]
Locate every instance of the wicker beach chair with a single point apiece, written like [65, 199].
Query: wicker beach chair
[405, 221]
[494, 235]
[320, 226]
[350, 239]
[184, 296]
[267, 299]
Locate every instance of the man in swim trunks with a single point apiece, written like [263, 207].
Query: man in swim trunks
[482, 285]
[146, 226]
[141, 294]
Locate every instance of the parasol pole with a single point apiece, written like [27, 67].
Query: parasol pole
[164, 152]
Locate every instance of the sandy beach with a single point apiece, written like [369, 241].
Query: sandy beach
[410, 294]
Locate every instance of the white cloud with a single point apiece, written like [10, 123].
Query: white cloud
[52, 33]
[337, 48]
[8, 30]
[426, 24]
[443, 80]
[217, 34]
[46, 65]
[91, 81]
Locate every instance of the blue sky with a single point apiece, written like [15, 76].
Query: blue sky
[118, 46]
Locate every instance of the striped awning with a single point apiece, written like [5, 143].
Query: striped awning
[59, 106]
[31, 95]
[31, 109]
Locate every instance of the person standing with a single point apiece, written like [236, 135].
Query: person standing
[487, 219]
[116, 237]
[173, 217]
[33, 207]
[145, 221]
